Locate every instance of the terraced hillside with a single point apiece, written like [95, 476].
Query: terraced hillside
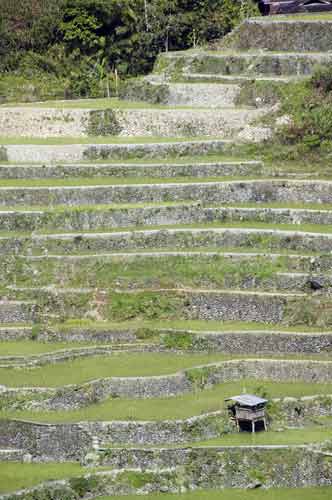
[149, 272]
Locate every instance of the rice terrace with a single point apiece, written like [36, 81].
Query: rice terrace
[166, 250]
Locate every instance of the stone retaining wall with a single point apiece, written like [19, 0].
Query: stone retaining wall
[168, 238]
[80, 152]
[257, 63]
[260, 342]
[206, 169]
[258, 191]
[202, 94]
[16, 312]
[43, 122]
[261, 64]
[281, 35]
[90, 219]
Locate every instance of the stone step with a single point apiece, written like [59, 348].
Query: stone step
[96, 217]
[244, 191]
[255, 64]
[225, 123]
[190, 238]
[158, 170]
[43, 153]
[313, 35]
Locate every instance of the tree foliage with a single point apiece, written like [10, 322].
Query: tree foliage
[81, 39]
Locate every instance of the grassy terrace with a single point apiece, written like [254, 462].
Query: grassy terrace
[255, 225]
[122, 365]
[34, 348]
[172, 408]
[171, 272]
[63, 209]
[105, 103]
[114, 181]
[61, 141]
[194, 325]
[92, 104]
[322, 16]
[15, 476]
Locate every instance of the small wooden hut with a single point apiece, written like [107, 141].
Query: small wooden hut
[248, 408]
[271, 7]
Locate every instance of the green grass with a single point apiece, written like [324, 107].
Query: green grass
[193, 325]
[89, 104]
[82, 370]
[256, 225]
[114, 181]
[272, 494]
[99, 103]
[311, 228]
[32, 347]
[322, 16]
[60, 141]
[182, 407]
[305, 435]
[15, 476]
[216, 272]
[59, 209]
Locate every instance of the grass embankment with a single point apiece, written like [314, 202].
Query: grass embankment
[15, 476]
[83, 370]
[173, 408]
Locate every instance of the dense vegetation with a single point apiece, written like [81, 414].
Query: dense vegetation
[74, 47]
